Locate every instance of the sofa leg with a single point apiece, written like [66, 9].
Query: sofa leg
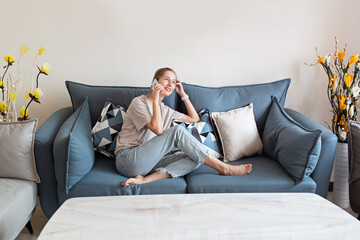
[29, 227]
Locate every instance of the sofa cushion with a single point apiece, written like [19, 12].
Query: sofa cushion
[295, 147]
[107, 128]
[17, 203]
[221, 99]
[17, 158]
[267, 176]
[203, 131]
[73, 149]
[104, 180]
[97, 95]
[238, 133]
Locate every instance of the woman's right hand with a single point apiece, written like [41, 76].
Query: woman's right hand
[155, 93]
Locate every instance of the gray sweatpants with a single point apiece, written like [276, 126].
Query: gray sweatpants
[154, 155]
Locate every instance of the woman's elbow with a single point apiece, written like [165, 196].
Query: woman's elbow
[195, 119]
[158, 131]
[155, 129]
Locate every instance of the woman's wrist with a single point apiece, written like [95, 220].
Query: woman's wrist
[185, 97]
[183, 94]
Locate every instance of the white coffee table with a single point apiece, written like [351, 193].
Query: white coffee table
[257, 216]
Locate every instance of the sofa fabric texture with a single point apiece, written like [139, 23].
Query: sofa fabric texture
[97, 95]
[268, 174]
[222, 99]
[73, 149]
[298, 154]
[17, 204]
[18, 160]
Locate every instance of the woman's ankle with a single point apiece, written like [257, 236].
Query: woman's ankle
[218, 165]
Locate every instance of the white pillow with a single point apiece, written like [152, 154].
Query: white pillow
[17, 158]
[238, 133]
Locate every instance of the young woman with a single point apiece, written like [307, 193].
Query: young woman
[145, 143]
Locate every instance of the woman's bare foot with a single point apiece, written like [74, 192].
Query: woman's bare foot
[227, 169]
[133, 181]
[237, 169]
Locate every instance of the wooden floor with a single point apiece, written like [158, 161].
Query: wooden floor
[39, 220]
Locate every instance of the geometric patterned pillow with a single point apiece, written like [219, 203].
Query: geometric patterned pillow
[107, 128]
[203, 132]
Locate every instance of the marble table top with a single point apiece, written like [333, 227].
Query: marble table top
[202, 216]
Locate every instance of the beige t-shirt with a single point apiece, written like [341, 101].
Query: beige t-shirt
[139, 113]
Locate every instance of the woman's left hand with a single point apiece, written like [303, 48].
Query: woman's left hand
[179, 88]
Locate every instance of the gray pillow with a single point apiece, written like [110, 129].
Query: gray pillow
[354, 151]
[17, 150]
[296, 148]
[74, 154]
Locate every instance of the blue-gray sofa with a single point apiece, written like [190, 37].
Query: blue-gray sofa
[103, 179]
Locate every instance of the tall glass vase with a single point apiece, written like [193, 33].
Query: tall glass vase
[341, 176]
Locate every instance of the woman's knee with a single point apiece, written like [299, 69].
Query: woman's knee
[179, 128]
[125, 168]
[130, 171]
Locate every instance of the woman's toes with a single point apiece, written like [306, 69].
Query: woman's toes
[133, 181]
[248, 168]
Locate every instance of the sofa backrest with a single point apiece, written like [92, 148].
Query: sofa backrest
[220, 99]
[216, 99]
[97, 96]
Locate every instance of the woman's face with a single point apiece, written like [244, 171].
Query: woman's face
[168, 81]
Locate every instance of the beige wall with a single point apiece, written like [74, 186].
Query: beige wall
[213, 43]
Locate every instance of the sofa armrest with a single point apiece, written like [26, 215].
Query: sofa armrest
[322, 172]
[44, 158]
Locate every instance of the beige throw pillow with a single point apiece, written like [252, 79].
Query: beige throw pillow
[17, 158]
[238, 133]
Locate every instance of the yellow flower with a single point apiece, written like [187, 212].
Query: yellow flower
[348, 79]
[22, 112]
[353, 59]
[346, 127]
[3, 106]
[27, 96]
[2, 83]
[41, 50]
[24, 49]
[12, 95]
[321, 60]
[342, 105]
[341, 56]
[38, 93]
[9, 59]
[342, 120]
[334, 118]
[46, 68]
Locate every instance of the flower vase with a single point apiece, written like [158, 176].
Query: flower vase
[341, 176]
[11, 114]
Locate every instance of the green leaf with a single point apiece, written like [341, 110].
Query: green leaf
[345, 70]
